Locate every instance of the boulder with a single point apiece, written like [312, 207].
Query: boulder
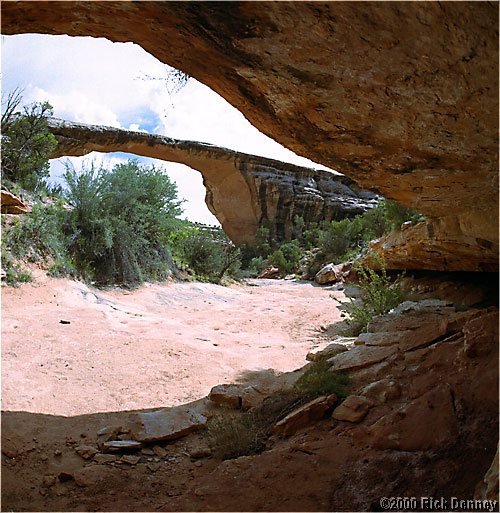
[331, 273]
[199, 451]
[430, 328]
[353, 409]
[159, 451]
[270, 273]
[305, 415]
[167, 424]
[105, 458]
[323, 353]
[381, 338]
[236, 396]
[49, 480]
[130, 459]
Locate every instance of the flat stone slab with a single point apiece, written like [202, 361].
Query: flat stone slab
[360, 356]
[167, 424]
[305, 415]
[122, 445]
[381, 338]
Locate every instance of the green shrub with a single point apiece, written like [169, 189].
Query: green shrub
[26, 142]
[319, 380]
[120, 223]
[14, 274]
[396, 214]
[37, 237]
[207, 252]
[379, 295]
[287, 257]
[257, 264]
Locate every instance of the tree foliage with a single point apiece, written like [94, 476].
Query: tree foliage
[26, 141]
[120, 222]
[332, 241]
[206, 252]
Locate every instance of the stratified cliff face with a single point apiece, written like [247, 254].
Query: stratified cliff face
[400, 96]
[243, 191]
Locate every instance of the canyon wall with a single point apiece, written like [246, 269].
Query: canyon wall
[243, 191]
[400, 96]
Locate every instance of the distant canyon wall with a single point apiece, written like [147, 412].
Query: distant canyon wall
[243, 191]
[400, 96]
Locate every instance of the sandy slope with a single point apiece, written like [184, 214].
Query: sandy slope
[160, 345]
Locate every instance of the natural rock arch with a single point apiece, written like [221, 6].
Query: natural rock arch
[243, 191]
[399, 96]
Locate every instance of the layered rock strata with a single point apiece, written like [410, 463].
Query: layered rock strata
[399, 96]
[12, 204]
[243, 191]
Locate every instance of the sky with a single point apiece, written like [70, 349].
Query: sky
[92, 80]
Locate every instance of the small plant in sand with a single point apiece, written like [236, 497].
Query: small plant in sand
[234, 435]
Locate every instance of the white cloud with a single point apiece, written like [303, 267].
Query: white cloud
[93, 80]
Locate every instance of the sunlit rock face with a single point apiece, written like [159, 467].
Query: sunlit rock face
[244, 191]
[401, 97]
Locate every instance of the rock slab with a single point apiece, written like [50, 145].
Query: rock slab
[359, 357]
[167, 424]
[305, 415]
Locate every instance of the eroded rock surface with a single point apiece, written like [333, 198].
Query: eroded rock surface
[432, 245]
[243, 191]
[12, 204]
[398, 96]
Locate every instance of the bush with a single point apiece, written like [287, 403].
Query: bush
[207, 252]
[379, 296]
[37, 237]
[287, 257]
[232, 436]
[319, 380]
[120, 223]
[257, 265]
[396, 215]
[26, 142]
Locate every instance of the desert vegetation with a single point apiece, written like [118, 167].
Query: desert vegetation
[123, 225]
[315, 245]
